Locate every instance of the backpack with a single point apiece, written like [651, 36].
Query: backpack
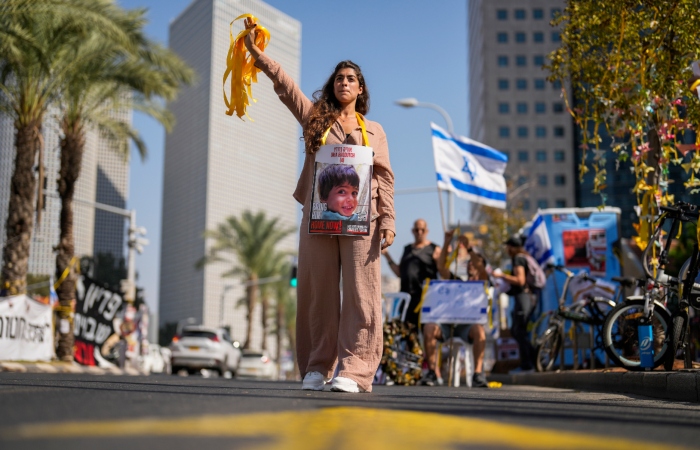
[535, 276]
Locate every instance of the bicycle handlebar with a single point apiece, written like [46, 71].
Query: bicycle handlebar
[682, 211]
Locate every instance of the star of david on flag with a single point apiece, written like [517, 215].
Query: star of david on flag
[470, 169]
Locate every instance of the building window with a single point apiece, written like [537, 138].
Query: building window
[521, 84]
[559, 155]
[559, 131]
[522, 179]
[519, 14]
[521, 108]
[539, 84]
[555, 12]
[521, 61]
[504, 132]
[542, 180]
[556, 36]
[542, 203]
[523, 156]
[522, 132]
[558, 107]
[538, 36]
[503, 108]
[503, 85]
[503, 61]
[540, 108]
[538, 60]
[541, 155]
[560, 180]
[556, 84]
[541, 132]
[560, 203]
[538, 13]
[526, 204]
[520, 37]
[502, 14]
[502, 37]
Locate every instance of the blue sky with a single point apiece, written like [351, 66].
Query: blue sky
[406, 48]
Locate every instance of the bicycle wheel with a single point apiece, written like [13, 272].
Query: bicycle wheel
[676, 341]
[621, 339]
[534, 328]
[548, 349]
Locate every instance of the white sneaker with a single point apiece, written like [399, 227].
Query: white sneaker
[342, 384]
[314, 381]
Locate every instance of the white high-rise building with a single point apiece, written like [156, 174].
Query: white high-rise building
[217, 166]
[513, 108]
[104, 178]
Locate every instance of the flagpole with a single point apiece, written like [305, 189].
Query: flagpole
[442, 210]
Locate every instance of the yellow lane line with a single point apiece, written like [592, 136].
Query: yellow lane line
[339, 428]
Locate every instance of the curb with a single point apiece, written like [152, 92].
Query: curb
[682, 385]
[61, 367]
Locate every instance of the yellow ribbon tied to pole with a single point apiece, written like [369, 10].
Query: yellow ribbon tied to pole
[240, 66]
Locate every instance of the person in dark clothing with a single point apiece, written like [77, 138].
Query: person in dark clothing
[419, 261]
[525, 302]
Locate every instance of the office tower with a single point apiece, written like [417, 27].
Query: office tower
[513, 108]
[217, 166]
[92, 235]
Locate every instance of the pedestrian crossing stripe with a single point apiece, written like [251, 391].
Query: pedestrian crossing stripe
[338, 428]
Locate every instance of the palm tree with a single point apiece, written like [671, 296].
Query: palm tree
[246, 244]
[107, 76]
[36, 41]
[286, 320]
[278, 266]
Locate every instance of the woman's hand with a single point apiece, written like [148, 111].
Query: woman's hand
[249, 40]
[387, 238]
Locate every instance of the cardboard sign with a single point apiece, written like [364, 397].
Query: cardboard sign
[341, 196]
[26, 333]
[455, 302]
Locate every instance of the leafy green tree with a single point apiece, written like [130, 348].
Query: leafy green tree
[37, 38]
[245, 244]
[626, 64]
[286, 306]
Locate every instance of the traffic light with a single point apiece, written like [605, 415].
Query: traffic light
[293, 276]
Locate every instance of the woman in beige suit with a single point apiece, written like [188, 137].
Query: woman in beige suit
[327, 335]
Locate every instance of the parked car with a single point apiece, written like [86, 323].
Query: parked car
[257, 365]
[199, 347]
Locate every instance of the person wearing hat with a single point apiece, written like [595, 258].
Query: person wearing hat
[525, 301]
[473, 334]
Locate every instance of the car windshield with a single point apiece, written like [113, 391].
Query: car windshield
[200, 334]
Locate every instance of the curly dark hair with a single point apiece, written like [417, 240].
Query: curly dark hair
[335, 175]
[326, 107]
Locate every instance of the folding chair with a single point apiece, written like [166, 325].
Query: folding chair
[455, 345]
[396, 305]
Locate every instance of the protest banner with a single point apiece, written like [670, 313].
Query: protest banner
[455, 302]
[341, 196]
[26, 332]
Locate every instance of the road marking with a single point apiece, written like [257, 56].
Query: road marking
[338, 428]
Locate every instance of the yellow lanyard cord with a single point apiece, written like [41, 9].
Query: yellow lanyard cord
[241, 67]
[66, 272]
[361, 121]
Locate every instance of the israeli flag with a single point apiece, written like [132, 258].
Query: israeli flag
[537, 243]
[470, 169]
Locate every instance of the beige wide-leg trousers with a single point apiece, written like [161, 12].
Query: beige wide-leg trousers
[327, 334]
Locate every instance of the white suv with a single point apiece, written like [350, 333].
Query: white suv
[199, 347]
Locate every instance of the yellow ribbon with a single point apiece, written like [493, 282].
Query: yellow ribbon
[422, 296]
[241, 67]
[66, 272]
[695, 85]
[361, 121]
[489, 310]
[452, 256]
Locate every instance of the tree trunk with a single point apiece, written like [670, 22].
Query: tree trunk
[251, 298]
[72, 149]
[653, 158]
[20, 217]
[265, 303]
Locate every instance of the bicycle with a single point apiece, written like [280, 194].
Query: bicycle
[589, 310]
[639, 332]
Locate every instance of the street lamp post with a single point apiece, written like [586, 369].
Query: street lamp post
[221, 302]
[414, 103]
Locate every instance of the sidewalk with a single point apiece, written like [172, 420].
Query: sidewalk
[682, 385]
[63, 367]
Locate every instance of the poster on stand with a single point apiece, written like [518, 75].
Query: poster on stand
[341, 193]
[455, 302]
[586, 249]
[26, 332]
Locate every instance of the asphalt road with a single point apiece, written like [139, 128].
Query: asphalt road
[51, 411]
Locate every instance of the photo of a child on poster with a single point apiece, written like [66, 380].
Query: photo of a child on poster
[341, 191]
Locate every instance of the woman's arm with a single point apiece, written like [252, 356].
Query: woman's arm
[443, 270]
[517, 279]
[385, 185]
[287, 90]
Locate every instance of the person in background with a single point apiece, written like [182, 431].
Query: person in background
[473, 334]
[418, 262]
[525, 302]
